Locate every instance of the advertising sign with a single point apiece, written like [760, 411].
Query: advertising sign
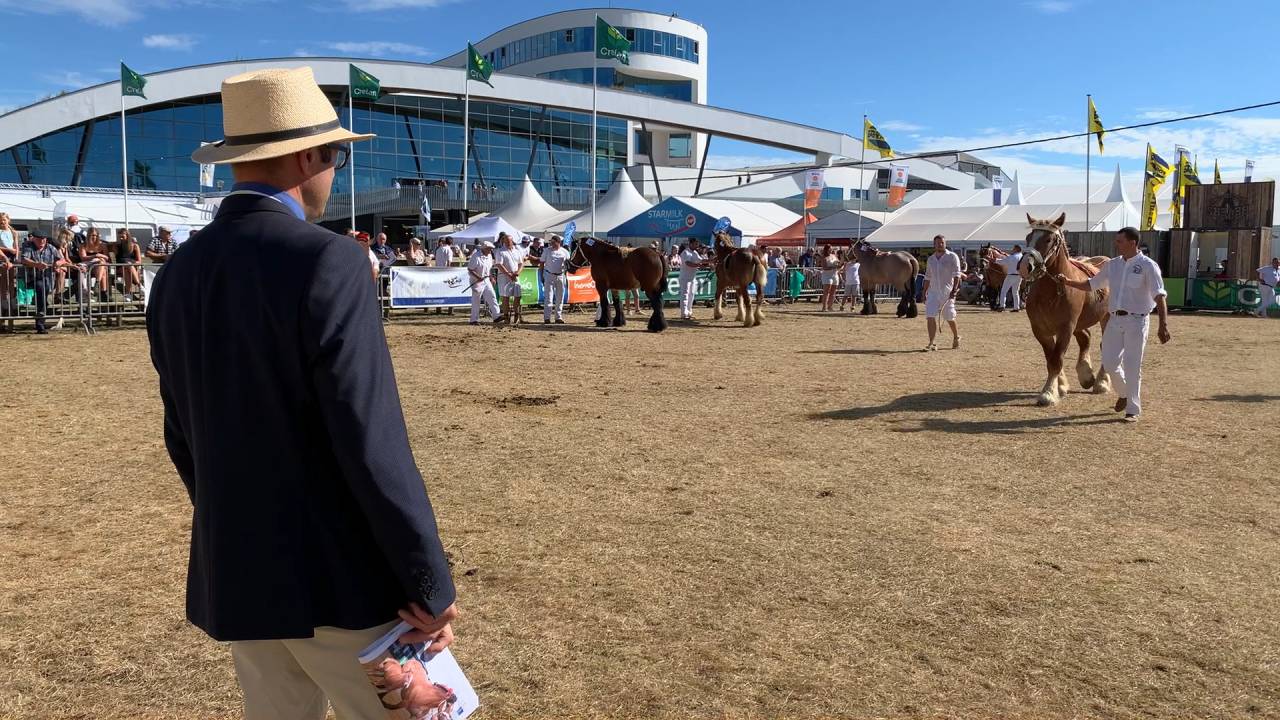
[435, 287]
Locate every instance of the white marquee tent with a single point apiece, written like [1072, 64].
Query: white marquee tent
[528, 210]
[621, 203]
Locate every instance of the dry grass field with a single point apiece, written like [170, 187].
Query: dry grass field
[804, 520]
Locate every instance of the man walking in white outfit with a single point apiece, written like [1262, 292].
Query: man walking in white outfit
[555, 284]
[690, 263]
[941, 284]
[479, 268]
[1268, 277]
[1136, 288]
[1012, 279]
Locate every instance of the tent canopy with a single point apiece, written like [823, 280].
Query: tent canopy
[488, 228]
[696, 217]
[790, 235]
[845, 225]
[621, 203]
[527, 210]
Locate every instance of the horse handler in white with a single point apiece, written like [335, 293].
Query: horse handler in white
[1136, 288]
[941, 284]
[479, 268]
[555, 284]
[1268, 277]
[1012, 279]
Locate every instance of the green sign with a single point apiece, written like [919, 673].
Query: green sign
[611, 44]
[1222, 294]
[704, 286]
[528, 286]
[131, 83]
[364, 86]
[477, 67]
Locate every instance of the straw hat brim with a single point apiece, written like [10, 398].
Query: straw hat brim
[222, 154]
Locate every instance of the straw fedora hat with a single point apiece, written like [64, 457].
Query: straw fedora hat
[270, 113]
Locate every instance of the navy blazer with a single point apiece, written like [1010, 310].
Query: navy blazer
[282, 417]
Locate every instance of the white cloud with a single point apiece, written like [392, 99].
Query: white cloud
[1157, 114]
[376, 48]
[900, 126]
[179, 41]
[98, 12]
[1052, 7]
[70, 79]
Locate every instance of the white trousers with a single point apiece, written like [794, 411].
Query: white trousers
[554, 288]
[483, 293]
[1123, 343]
[299, 679]
[1012, 281]
[687, 288]
[1268, 294]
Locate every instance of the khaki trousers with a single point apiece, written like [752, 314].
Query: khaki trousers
[299, 679]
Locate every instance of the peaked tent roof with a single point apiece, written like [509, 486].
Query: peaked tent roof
[527, 209]
[487, 229]
[621, 203]
[792, 232]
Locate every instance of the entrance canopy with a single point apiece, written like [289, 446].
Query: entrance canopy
[696, 217]
[488, 229]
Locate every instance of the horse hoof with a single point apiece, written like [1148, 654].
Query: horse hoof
[1046, 400]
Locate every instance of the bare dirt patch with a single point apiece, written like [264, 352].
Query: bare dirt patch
[805, 519]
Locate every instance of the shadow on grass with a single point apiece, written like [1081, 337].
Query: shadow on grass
[1008, 427]
[1227, 398]
[936, 403]
[859, 351]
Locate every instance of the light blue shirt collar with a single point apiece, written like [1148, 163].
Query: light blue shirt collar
[284, 198]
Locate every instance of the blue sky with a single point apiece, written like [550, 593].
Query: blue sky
[931, 73]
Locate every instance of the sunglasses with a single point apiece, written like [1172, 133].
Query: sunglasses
[337, 155]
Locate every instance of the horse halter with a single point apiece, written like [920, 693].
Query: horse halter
[1056, 243]
[574, 265]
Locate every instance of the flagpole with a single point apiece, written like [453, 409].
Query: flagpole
[1088, 141]
[124, 154]
[862, 179]
[351, 123]
[466, 135]
[595, 64]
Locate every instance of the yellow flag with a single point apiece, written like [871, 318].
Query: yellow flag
[1095, 123]
[873, 140]
[1217, 174]
[1157, 172]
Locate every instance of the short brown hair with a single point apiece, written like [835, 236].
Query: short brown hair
[1129, 233]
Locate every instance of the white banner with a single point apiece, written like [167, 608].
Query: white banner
[813, 179]
[437, 287]
[997, 184]
[1248, 171]
[148, 277]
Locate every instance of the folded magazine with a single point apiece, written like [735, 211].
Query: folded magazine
[414, 685]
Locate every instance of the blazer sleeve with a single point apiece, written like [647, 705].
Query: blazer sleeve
[355, 386]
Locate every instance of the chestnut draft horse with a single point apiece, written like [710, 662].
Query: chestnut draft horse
[993, 274]
[1057, 312]
[877, 267]
[613, 269]
[738, 268]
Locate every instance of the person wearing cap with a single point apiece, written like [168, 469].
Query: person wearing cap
[509, 260]
[691, 261]
[161, 246]
[42, 260]
[479, 270]
[312, 533]
[555, 283]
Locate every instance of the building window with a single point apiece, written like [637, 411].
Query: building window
[643, 140]
[568, 36]
[695, 47]
[631, 34]
[680, 146]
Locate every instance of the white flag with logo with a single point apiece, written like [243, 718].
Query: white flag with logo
[997, 185]
[813, 182]
[1248, 171]
[898, 176]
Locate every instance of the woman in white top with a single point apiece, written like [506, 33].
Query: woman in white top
[830, 265]
[417, 256]
[8, 264]
[509, 261]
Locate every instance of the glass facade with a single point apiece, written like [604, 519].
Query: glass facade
[582, 39]
[418, 138]
[618, 80]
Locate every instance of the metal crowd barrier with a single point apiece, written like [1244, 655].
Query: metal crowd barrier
[77, 296]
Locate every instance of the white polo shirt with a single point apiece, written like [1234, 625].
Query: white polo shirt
[1134, 284]
[689, 261]
[509, 260]
[1268, 275]
[480, 265]
[553, 261]
[942, 272]
[1010, 263]
[443, 255]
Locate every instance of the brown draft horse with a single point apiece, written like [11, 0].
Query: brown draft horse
[613, 269]
[898, 269]
[1057, 312]
[993, 273]
[738, 268]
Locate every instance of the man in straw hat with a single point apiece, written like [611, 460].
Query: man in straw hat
[312, 533]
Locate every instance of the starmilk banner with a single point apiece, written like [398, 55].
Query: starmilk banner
[440, 287]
